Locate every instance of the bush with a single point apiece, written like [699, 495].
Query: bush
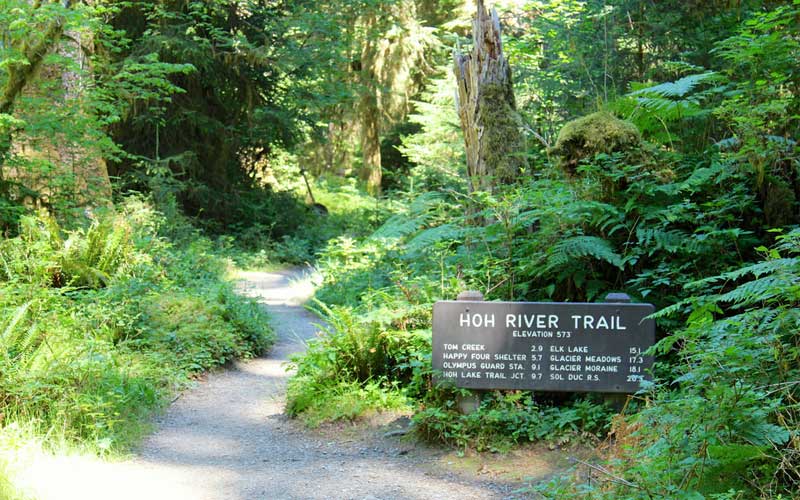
[102, 324]
[351, 214]
[355, 365]
[504, 419]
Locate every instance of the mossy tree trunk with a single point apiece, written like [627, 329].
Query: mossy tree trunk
[392, 67]
[31, 79]
[491, 124]
[371, 144]
[21, 73]
[370, 113]
[93, 184]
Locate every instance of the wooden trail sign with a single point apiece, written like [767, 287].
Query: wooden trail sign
[543, 346]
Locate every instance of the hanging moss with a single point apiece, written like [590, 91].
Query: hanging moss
[599, 132]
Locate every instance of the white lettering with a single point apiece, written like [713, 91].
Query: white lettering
[589, 322]
[531, 320]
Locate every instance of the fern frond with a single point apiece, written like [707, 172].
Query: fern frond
[431, 236]
[115, 251]
[425, 202]
[761, 290]
[756, 270]
[579, 247]
[678, 88]
[655, 240]
[9, 340]
[8, 331]
[400, 226]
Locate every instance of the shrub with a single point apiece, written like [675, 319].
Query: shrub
[353, 359]
[101, 325]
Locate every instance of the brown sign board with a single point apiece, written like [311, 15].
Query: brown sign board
[543, 346]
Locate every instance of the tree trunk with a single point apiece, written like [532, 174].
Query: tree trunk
[93, 185]
[371, 148]
[485, 100]
[370, 115]
[20, 74]
[72, 159]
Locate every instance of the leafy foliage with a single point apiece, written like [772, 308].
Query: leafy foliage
[728, 422]
[101, 325]
[663, 145]
[503, 420]
[59, 97]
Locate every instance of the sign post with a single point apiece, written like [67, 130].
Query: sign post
[543, 346]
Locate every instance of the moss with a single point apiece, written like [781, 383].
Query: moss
[599, 132]
[503, 142]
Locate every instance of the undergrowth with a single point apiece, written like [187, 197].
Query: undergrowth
[102, 324]
[348, 214]
[353, 367]
[728, 426]
[656, 232]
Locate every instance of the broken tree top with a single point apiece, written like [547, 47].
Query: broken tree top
[546, 346]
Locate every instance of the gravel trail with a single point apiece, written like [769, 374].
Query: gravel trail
[228, 438]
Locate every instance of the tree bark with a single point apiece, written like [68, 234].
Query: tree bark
[370, 115]
[21, 74]
[371, 143]
[487, 109]
[79, 161]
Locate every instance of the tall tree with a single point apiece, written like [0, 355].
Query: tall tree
[369, 110]
[248, 95]
[393, 66]
[51, 148]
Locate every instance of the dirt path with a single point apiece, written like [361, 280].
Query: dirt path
[228, 439]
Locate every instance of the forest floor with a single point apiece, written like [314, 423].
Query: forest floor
[228, 438]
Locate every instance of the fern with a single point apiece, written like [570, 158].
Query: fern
[425, 202]
[432, 236]
[761, 290]
[116, 250]
[654, 108]
[420, 213]
[758, 270]
[744, 366]
[17, 344]
[655, 240]
[579, 247]
[678, 88]
[8, 336]
[399, 226]
[93, 258]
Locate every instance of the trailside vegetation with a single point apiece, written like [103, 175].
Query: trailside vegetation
[669, 173]
[103, 323]
[652, 149]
